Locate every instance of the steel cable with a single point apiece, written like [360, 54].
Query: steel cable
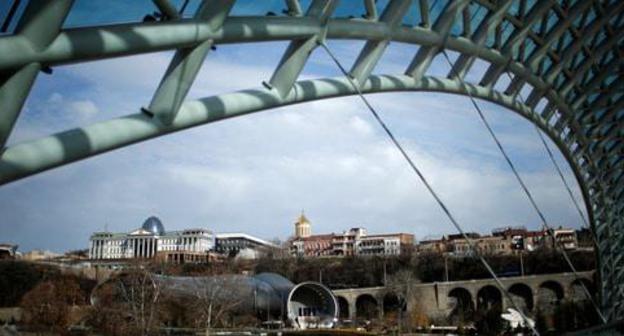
[422, 178]
[523, 185]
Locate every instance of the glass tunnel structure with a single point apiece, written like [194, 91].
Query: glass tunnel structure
[269, 296]
[565, 54]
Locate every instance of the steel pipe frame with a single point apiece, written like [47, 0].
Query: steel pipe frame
[602, 192]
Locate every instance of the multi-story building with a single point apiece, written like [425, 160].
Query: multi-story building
[152, 241]
[508, 240]
[585, 239]
[386, 244]
[485, 245]
[347, 243]
[312, 246]
[534, 240]
[355, 241]
[233, 243]
[566, 238]
[438, 246]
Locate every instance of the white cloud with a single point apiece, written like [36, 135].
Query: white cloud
[84, 109]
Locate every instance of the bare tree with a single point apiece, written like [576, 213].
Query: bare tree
[214, 298]
[49, 305]
[402, 284]
[140, 293]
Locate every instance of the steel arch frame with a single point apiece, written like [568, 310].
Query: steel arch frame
[583, 111]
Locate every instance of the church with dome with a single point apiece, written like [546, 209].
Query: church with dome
[152, 241]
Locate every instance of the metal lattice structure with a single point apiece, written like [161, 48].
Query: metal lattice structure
[566, 54]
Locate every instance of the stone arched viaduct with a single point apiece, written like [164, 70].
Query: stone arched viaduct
[438, 297]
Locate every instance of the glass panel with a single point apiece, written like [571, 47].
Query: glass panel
[10, 13]
[258, 8]
[86, 13]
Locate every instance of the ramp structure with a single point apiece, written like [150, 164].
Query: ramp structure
[566, 55]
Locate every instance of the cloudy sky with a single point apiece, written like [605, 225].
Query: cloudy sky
[256, 173]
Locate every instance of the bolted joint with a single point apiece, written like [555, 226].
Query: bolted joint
[147, 112]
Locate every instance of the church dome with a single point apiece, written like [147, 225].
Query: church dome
[302, 219]
[154, 225]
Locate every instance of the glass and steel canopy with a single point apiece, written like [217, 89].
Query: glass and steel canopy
[565, 55]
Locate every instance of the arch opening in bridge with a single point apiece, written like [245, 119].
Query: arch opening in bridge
[366, 307]
[549, 295]
[489, 298]
[462, 305]
[393, 305]
[522, 295]
[343, 307]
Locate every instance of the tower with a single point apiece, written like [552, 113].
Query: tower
[303, 228]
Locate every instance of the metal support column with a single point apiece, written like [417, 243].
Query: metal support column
[39, 25]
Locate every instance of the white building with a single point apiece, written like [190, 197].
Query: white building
[149, 241]
[233, 243]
